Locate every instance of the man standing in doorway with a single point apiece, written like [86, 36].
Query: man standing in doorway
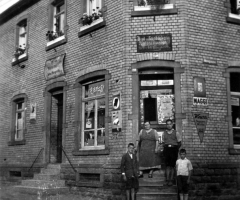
[172, 142]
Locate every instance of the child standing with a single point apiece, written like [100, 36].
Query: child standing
[184, 171]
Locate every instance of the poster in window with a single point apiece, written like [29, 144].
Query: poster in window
[89, 123]
[165, 108]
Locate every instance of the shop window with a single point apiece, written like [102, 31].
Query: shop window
[18, 122]
[20, 53]
[56, 34]
[153, 7]
[233, 11]
[92, 16]
[93, 116]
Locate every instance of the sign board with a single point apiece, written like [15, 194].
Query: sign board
[96, 89]
[154, 43]
[116, 102]
[200, 120]
[200, 101]
[117, 121]
[33, 111]
[199, 87]
[54, 67]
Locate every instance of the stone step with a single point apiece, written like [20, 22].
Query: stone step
[156, 196]
[151, 182]
[43, 183]
[41, 191]
[50, 171]
[164, 189]
[48, 177]
[54, 166]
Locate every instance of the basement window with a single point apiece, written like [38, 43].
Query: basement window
[15, 174]
[233, 11]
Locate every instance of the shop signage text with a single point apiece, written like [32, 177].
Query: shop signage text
[200, 120]
[54, 67]
[96, 89]
[154, 43]
[200, 101]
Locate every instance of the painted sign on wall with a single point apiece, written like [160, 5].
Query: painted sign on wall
[199, 92]
[54, 67]
[154, 43]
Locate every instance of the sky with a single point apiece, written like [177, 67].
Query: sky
[5, 4]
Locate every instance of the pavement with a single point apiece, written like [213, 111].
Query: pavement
[8, 192]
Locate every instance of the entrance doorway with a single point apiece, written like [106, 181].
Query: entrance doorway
[157, 103]
[56, 127]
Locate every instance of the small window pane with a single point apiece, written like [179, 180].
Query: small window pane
[19, 135]
[89, 114]
[88, 138]
[235, 82]
[94, 89]
[19, 106]
[236, 136]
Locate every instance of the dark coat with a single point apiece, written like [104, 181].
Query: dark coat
[129, 166]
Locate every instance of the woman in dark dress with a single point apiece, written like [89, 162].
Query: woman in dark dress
[148, 148]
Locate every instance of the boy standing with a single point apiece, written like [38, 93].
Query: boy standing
[184, 171]
[129, 168]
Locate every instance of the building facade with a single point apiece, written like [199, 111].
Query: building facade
[79, 78]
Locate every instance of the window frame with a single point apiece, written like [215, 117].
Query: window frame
[79, 150]
[14, 101]
[24, 56]
[95, 25]
[231, 148]
[62, 39]
[231, 17]
[141, 12]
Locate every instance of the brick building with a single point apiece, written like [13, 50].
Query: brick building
[84, 85]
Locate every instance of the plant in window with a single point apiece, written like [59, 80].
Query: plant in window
[88, 19]
[19, 51]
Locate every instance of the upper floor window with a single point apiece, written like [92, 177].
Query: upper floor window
[56, 34]
[20, 53]
[18, 120]
[92, 16]
[233, 11]
[153, 7]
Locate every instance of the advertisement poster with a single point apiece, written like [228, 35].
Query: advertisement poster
[165, 106]
[33, 111]
[116, 103]
[200, 120]
[116, 121]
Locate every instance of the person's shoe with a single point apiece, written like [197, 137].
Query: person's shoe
[149, 175]
[170, 183]
[140, 176]
[166, 183]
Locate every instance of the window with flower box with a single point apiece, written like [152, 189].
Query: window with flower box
[153, 7]
[92, 16]
[56, 34]
[233, 7]
[20, 53]
[18, 120]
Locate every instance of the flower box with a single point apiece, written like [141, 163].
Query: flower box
[142, 8]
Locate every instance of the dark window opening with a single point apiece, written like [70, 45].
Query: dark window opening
[15, 174]
[86, 177]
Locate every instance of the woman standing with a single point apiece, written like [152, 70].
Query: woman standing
[148, 147]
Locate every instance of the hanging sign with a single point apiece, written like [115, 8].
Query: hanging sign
[199, 98]
[200, 120]
[116, 121]
[54, 67]
[33, 112]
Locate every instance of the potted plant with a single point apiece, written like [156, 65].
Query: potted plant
[19, 51]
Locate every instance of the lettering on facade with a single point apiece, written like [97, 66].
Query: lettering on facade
[96, 89]
[54, 67]
[200, 120]
[154, 43]
[200, 101]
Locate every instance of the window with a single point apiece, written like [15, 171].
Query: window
[233, 11]
[20, 53]
[153, 7]
[18, 120]
[56, 34]
[92, 16]
[93, 109]
[92, 115]
[235, 107]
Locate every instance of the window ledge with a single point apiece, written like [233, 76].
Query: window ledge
[234, 151]
[21, 58]
[140, 11]
[83, 152]
[57, 42]
[13, 143]
[233, 18]
[92, 27]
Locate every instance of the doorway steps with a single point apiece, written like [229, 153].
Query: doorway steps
[154, 188]
[48, 182]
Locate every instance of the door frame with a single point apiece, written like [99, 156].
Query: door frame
[157, 65]
[61, 85]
